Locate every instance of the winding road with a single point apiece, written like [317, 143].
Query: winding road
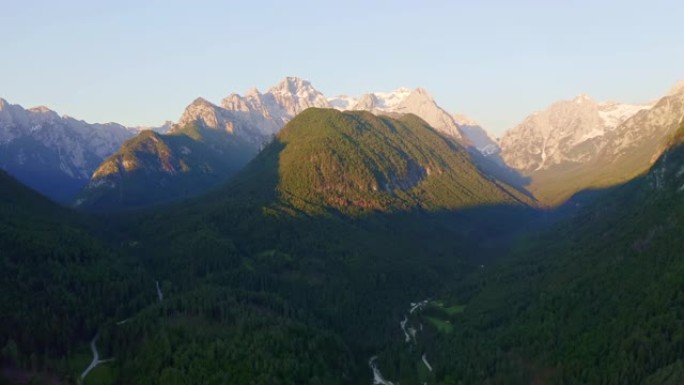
[427, 364]
[96, 358]
[159, 292]
[96, 355]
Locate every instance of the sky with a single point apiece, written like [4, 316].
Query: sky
[142, 62]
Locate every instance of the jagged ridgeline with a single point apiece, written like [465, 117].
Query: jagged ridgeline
[356, 161]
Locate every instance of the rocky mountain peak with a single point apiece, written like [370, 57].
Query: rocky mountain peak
[235, 102]
[293, 95]
[422, 92]
[367, 102]
[291, 85]
[567, 132]
[41, 110]
[252, 92]
[200, 101]
[43, 113]
[583, 98]
[200, 110]
[677, 88]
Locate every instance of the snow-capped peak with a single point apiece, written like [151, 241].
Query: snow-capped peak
[613, 114]
[342, 102]
[292, 85]
[570, 132]
[389, 100]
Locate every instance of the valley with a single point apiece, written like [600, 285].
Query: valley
[341, 193]
[206, 254]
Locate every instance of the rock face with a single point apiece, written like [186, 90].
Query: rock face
[256, 117]
[644, 135]
[567, 132]
[51, 154]
[579, 144]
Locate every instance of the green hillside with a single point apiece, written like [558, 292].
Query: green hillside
[334, 246]
[152, 168]
[598, 299]
[58, 281]
[357, 162]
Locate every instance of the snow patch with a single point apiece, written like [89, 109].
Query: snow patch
[613, 114]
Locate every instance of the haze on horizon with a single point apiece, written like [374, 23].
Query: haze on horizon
[496, 61]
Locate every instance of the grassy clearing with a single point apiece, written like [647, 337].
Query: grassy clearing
[449, 310]
[103, 374]
[442, 326]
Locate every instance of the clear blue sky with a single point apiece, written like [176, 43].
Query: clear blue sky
[141, 62]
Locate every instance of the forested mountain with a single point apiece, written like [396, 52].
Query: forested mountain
[353, 248]
[209, 144]
[265, 268]
[595, 299]
[58, 283]
[155, 168]
[356, 161]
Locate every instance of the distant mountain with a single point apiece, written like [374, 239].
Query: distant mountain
[248, 122]
[155, 168]
[566, 132]
[585, 283]
[52, 154]
[420, 103]
[209, 144]
[163, 129]
[256, 117]
[355, 161]
[577, 144]
[477, 136]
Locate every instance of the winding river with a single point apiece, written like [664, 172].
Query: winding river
[409, 334]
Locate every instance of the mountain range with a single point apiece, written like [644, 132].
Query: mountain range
[248, 122]
[570, 146]
[579, 144]
[348, 246]
[53, 154]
